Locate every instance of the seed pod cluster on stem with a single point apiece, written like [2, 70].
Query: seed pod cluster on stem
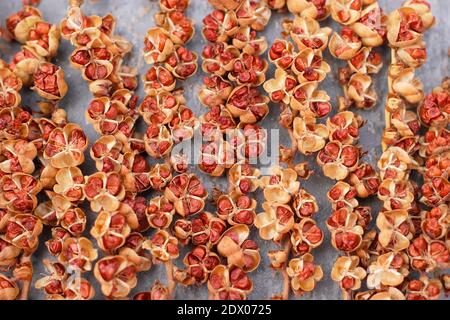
[123, 171]
[40, 154]
[363, 30]
[409, 239]
[233, 60]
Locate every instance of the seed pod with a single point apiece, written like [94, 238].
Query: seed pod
[307, 33]
[389, 269]
[346, 234]
[243, 178]
[317, 10]
[104, 191]
[395, 229]
[371, 27]
[348, 273]
[245, 40]
[219, 25]
[157, 45]
[79, 253]
[276, 220]
[160, 213]
[345, 45]
[10, 87]
[427, 255]
[236, 209]
[310, 137]
[346, 12]
[230, 283]
[179, 27]
[9, 290]
[304, 273]
[280, 186]
[306, 236]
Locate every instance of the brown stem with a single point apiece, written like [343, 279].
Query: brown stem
[76, 3]
[286, 280]
[171, 284]
[25, 277]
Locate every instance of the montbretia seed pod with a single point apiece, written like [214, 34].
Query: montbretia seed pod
[199, 262]
[69, 183]
[405, 27]
[158, 141]
[396, 194]
[304, 274]
[280, 185]
[11, 85]
[14, 123]
[95, 61]
[229, 283]
[21, 23]
[215, 123]
[306, 236]
[225, 4]
[338, 160]
[157, 79]
[55, 244]
[414, 55]
[215, 91]
[282, 54]
[173, 5]
[345, 45]
[23, 231]
[9, 290]
[371, 27]
[248, 141]
[187, 193]
[365, 180]
[9, 254]
[304, 204]
[344, 127]
[406, 85]
[395, 163]
[65, 146]
[243, 178]
[157, 45]
[311, 137]
[44, 38]
[180, 28]
[238, 250]
[206, 229]
[395, 229]
[136, 172]
[78, 253]
[183, 124]
[346, 12]
[423, 9]
[160, 108]
[215, 157]
[436, 222]
[346, 234]
[162, 246]
[104, 191]
[112, 228]
[49, 82]
[248, 69]
[435, 109]
[17, 156]
[106, 152]
[253, 14]
[25, 63]
[116, 275]
[246, 40]
[54, 280]
[423, 289]
[236, 209]
[106, 114]
[390, 293]
[307, 33]
[76, 24]
[157, 292]
[182, 62]
[276, 220]
[435, 192]
[437, 166]
[19, 192]
[142, 262]
[427, 255]
[389, 269]
[317, 10]
[348, 273]
[280, 88]
[275, 4]
[366, 61]
[309, 66]
[360, 90]
[342, 195]
[160, 213]
[218, 58]
[310, 102]
[435, 141]
[219, 26]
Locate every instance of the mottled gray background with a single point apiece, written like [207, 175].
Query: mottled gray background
[133, 19]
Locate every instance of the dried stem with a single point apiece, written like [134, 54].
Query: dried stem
[286, 280]
[25, 280]
[171, 284]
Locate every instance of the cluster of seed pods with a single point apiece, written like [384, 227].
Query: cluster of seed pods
[288, 219]
[57, 146]
[364, 29]
[123, 171]
[235, 67]
[409, 239]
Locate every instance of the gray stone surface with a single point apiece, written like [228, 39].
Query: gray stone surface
[133, 18]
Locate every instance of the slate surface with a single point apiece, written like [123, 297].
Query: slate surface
[133, 19]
